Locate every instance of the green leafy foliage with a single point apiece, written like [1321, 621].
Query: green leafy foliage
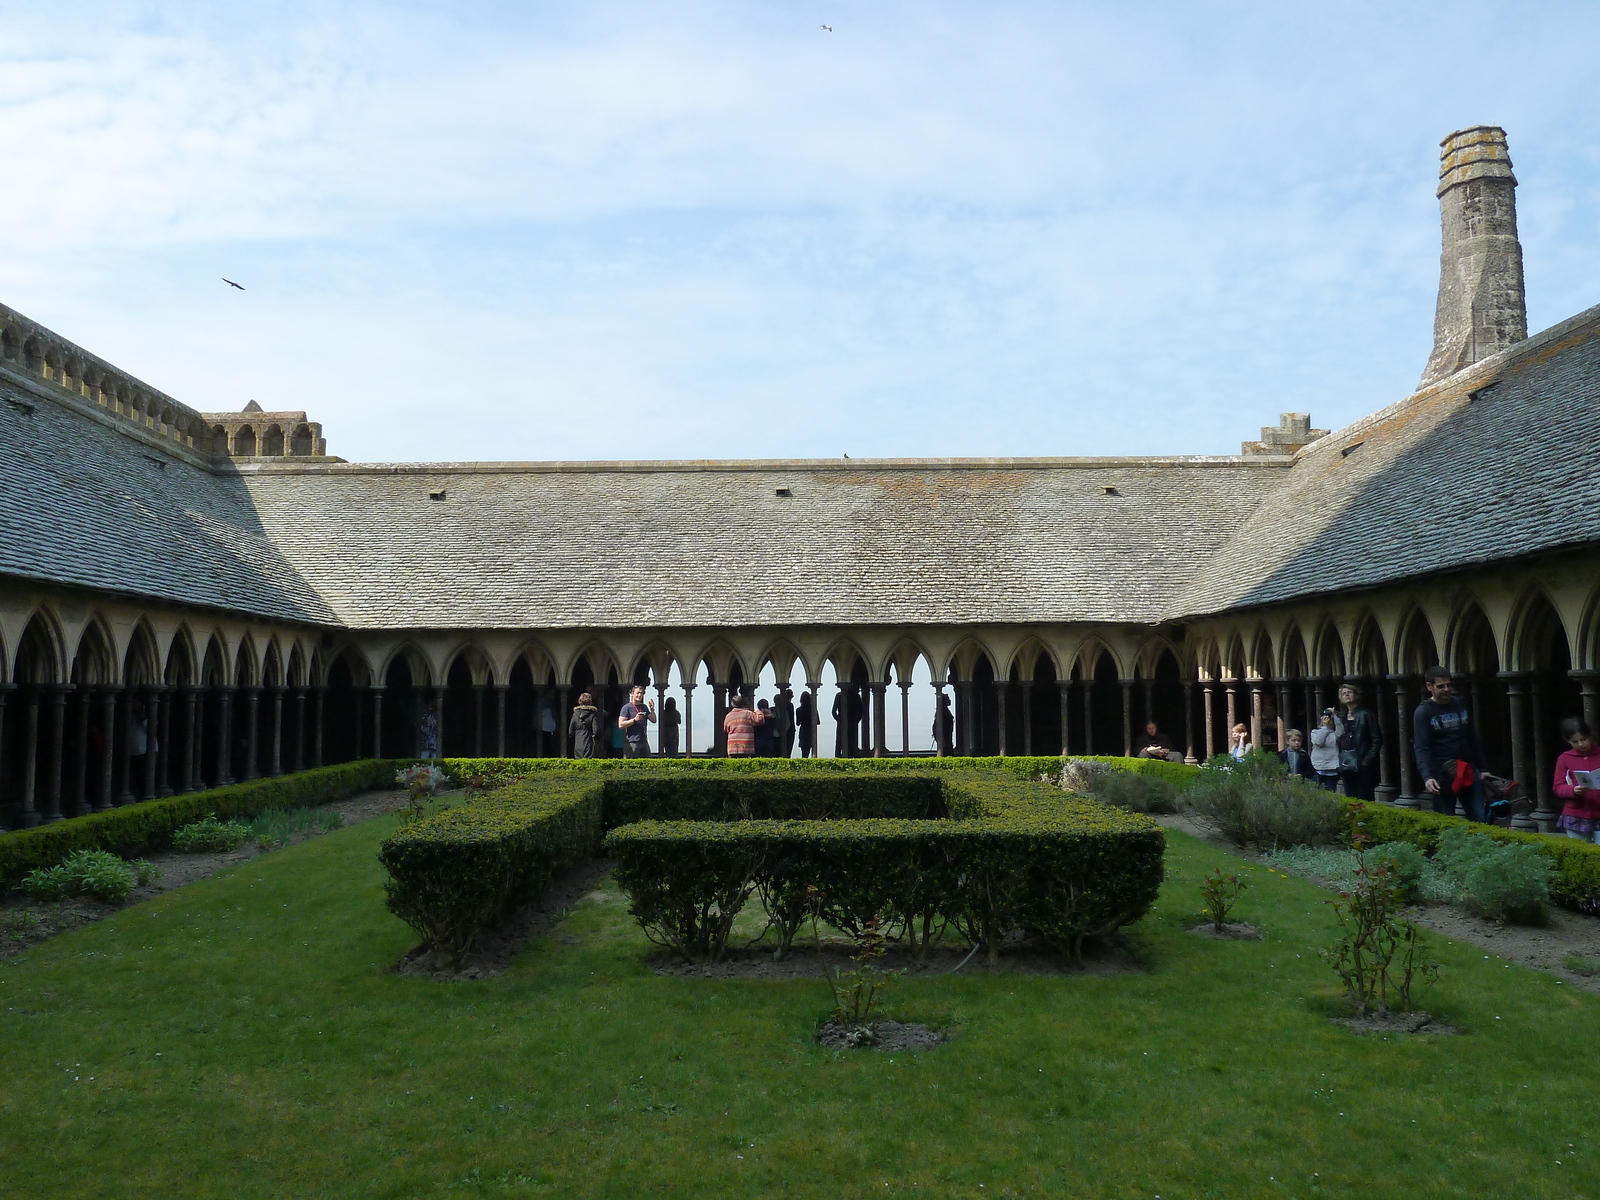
[1497, 880]
[1382, 961]
[277, 825]
[858, 990]
[94, 873]
[1255, 802]
[153, 822]
[1140, 793]
[210, 836]
[1219, 892]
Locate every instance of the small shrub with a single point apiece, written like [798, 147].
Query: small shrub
[277, 825]
[84, 873]
[1408, 865]
[1332, 865]
[19, 922]
[858, 991]
[1136, 793]
[1255, 802]
[48, 883]
[1083, 775]
[1498, 881]
[421, 782]
[210, 836]
[145, 872]
[1381, 960]
[1218, 894]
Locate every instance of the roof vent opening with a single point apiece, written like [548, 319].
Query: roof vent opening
[436, 495]
[783, 492]
[1109, 489]
[1351, 449]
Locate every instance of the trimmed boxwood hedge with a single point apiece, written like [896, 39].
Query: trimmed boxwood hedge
[151, 824]
[1577, 882]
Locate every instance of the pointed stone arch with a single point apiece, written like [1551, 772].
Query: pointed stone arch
[141, 662]
[182, 667]
[41, 656]
[1328, 650]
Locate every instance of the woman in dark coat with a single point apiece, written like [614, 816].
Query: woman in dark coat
[584, 727]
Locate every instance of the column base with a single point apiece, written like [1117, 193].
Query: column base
[1406, 801]
[27, 820]
[1385, 793]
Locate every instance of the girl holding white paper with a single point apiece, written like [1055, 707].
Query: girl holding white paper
[1577, 781]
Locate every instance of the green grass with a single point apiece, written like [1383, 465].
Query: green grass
[242, 1037]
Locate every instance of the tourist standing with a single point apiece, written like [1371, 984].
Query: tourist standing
[1360, 742]
[783, 712]
[944, 725]
[1239, 742]
[740, 727]
[671, 728]
[766, 732]
[806, 726]
[584, 727]
[1577, 781]
[1449, 758]
[1295, 757]
[634, 722]
[1325, 751]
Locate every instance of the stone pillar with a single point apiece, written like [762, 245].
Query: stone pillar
[905, 718]
[478, 690]
[438, 715]
[152, 740]
[563, 715]
[275, 748]
[1027, 716]
[500, 690]
[377, 719]
[191, 738]
[879, 721]
[299, 729]
[28, 814]
[1547, 814]
[1517, 713]
[1001, 688]
[1209, 699]
[1231, 690]
[1065, 687]
[106, 795]
[78, 800]
[719, 710]
[125, 759]
[55, 698]
[1411, 792]
[252, 741]
[1481, 308]
[1188, 724]
[5, 766]
[686, 734]
[967, 718]
[1284, 722]
[1088, 714]
[224, 735]
[1127, 718]
[164, 749]
[1149, 704]
[1320, 687]
[1255, 711]
[1589, 682]
[317, 714]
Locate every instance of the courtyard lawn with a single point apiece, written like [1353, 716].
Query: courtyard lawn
[241, 1037]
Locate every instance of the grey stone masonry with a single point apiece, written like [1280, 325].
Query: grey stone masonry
[1482, 308]
[1292, 431]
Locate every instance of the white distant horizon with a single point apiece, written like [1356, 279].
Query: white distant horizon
[598, 232]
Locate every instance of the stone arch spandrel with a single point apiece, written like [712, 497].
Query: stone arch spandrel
[477, 661]
[141, 661]
[1534, 618]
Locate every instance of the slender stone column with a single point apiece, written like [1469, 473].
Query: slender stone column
[225, 694]
[162, 751]
[1255, 711]
[1230, 688]
[967, 718]
[299, 759]
[377, 719]
[125, 758]
[197, 744]
[477, 720]
[1027, 717]
[563, 715]
[438, 723]
[152, 741]
[1411, 794]
[1149, 702]
[55, 698]
[108, 741]
[1321, 684]
[5, 766]
[719, 710]
[1188, 724]
[500, 690]
[1088, 714]
[318, 692]
[1001, 688]
[905, 718]
[1548, 813]
[252, 744]
[1209, 691]
[275, 749]
[1588, 681]
[1065, 688]
[28, 817]
[1284, 723]
[1517, 712]
[686, 734]
[191, 738]
[79, 800]
[1127, 718]
[879, 720]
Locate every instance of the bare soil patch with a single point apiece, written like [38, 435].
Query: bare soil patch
[1411, 1022]
[26, 922]
[1105, 956]
[495, 947]
[1540, 948]
[1231, 931]
[879, 1035]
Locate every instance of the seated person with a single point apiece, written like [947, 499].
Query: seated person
[1156, 743]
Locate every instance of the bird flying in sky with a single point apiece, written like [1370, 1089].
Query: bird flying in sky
[829, 28]
[231, 283]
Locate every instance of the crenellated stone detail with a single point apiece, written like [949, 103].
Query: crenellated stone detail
[255, 435]
[1292, 432]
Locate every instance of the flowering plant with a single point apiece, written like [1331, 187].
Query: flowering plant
[420, 783]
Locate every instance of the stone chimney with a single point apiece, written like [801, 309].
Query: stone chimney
[1482, 309]
[1292, 432]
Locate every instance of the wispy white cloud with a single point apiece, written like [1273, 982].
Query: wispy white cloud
[641, 230]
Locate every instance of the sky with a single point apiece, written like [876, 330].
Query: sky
[478, 231]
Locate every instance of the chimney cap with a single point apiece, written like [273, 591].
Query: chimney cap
[1478, 152]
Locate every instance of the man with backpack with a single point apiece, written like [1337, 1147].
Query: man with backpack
[1449, 756]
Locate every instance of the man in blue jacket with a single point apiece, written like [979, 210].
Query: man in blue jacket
[1449, 756]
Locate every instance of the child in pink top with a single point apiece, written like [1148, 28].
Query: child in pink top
[1580, 816]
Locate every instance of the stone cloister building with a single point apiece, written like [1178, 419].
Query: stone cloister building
[191, 598]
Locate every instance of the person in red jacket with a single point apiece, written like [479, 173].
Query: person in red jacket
[740, 726]
[1580, 815]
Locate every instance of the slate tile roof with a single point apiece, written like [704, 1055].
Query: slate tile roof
[677, 544]
[1490, 464]
[84, 502]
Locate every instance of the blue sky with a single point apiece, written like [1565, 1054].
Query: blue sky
[621, 230]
